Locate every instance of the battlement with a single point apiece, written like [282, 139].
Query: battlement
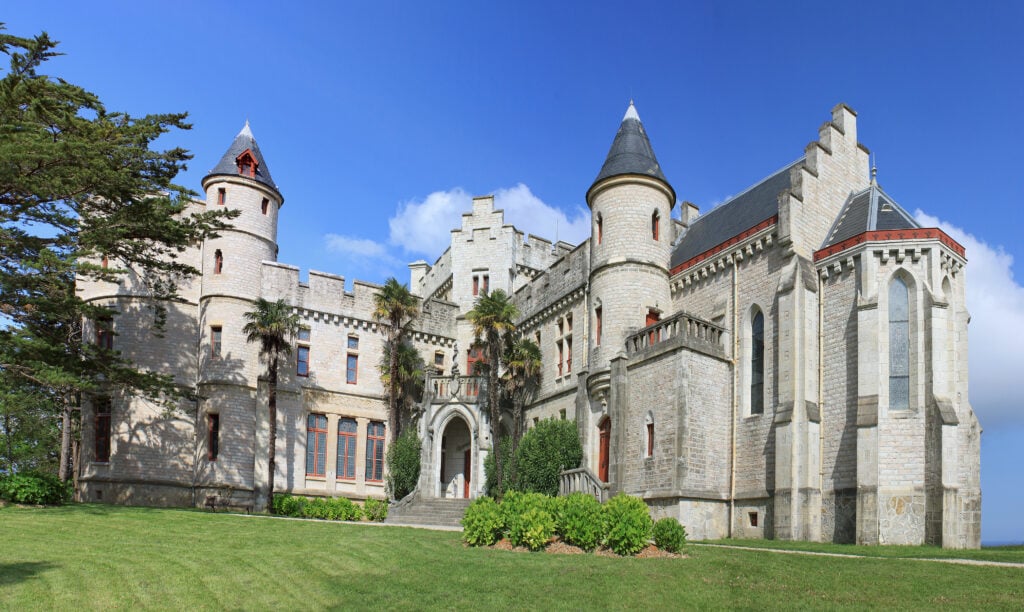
[323, 293]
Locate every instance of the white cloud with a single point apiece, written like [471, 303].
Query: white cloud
[996, 304]
[364, 257]
[425, 226]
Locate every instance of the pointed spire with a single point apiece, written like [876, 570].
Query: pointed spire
[228, 164]
[631, 151]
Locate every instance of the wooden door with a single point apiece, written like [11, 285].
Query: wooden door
[467, 470]
[602, 462]
[652, 318]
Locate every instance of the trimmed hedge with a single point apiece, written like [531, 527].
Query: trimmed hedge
[34, 488]
[326, 508]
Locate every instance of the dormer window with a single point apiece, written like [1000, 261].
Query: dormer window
[247, 164]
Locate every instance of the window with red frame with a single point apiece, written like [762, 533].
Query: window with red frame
[346, 468]
[485, 283]
[597, 326]
[655, 225]
[600, 229]
[105, 333]
[316, 444]
[222, 195]
[212, 436]
[558, 343]
[216, 332]
[476, 285]
[568, 355]
[650, 438]
[246, 164]
[218, 262]
[375, 451]
[101, 435]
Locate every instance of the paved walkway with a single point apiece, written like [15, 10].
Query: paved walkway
[852, 556]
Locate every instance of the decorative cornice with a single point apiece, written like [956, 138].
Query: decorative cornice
[920, 233]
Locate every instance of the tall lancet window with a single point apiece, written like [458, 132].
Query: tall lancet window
[899, 345]
[757, 364]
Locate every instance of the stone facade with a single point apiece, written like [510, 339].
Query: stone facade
[743, 371]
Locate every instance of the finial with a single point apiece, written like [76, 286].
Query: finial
[246, 131]
[874, 171]
[631, 112]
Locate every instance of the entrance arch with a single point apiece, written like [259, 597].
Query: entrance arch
[455, 468]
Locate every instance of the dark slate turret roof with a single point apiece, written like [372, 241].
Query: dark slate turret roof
[228, 165]
[756, 204]
[631, 151]
[869, 210]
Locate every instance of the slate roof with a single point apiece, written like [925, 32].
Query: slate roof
[869, 210]
[758, 203]
[227, 164]
[631, 152]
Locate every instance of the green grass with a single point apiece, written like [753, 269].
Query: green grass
[1005, 554]
[100, 557]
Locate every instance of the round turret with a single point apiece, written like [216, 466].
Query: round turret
[631, 205]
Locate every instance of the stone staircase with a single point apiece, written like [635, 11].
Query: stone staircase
[435, 512]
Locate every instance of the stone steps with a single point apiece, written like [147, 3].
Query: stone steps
[439, 512]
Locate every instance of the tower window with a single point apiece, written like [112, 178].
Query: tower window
[215, 341]
[655, 225]
[600, 228]
[757, 364]
[105, 333]
[476, 285]
[102, 431]
[597, 326]
[212, 436]
[247, 164]
[218, 262]
[222, 196]
[649, 435]
[899, 345]
[264, 205]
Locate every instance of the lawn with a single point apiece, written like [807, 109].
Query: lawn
[1005, 554]
[100, 557]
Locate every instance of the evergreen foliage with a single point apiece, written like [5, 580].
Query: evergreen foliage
[397, 307]
[34, 488]
[669, 534]
[490, 470]
[79, 183]
[403, 460]
[375, 510]
[483, 522]
[411, 378]
[548, 448]
[582, 521]
[628, 523]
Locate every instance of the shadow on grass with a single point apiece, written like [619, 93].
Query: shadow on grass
[13, 573]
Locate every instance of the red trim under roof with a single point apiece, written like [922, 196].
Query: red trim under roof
[917, 233]
[724, 245]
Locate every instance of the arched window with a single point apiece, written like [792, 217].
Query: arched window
[655, 225]
[899, 345]
[757, 363]
[218, 262]
[599, 230]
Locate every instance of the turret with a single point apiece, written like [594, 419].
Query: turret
[631, 206]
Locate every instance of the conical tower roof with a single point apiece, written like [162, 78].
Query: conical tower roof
[631, 152]
[228, 164]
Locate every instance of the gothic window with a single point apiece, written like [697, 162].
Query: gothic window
[375, 451]
[212, 436]
[757, 364]
[101, 435]
[218, 262]
[899, 345]
[346, 469]
[316, 444]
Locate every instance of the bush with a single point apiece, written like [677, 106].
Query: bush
[317, 508]
[34, 488]
[289, 505]
[490, 470]
[514, 505]
[582, 521]
[342, 509]
[629, 524]
[482, 523]
[669, 534]
[556, 508]
[551, 446]
[403, 461]
[375, 510]
[534, 528]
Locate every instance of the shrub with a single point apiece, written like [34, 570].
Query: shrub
[514, 505]
[629, 524]
[534, 528]
[318, 508]
[403, 461]
[289, 505]
[582, 521]
[34, 488]
[669, 534]
[551, 446]
[490, 470]
[342, 509]
[482, 523]
[556, 508]
[375, 510]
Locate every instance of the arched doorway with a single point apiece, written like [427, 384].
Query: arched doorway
[604, 438]
[455, 471]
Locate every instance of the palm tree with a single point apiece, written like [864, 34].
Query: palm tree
[521, 379]
[397, 307]
[272, 325]
[492, 317]
[410, 373]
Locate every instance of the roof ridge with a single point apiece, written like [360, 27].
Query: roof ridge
[747, 190]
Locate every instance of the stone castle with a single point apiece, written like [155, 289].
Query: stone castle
[791, 364]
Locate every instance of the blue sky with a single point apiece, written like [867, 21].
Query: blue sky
[380, 120]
